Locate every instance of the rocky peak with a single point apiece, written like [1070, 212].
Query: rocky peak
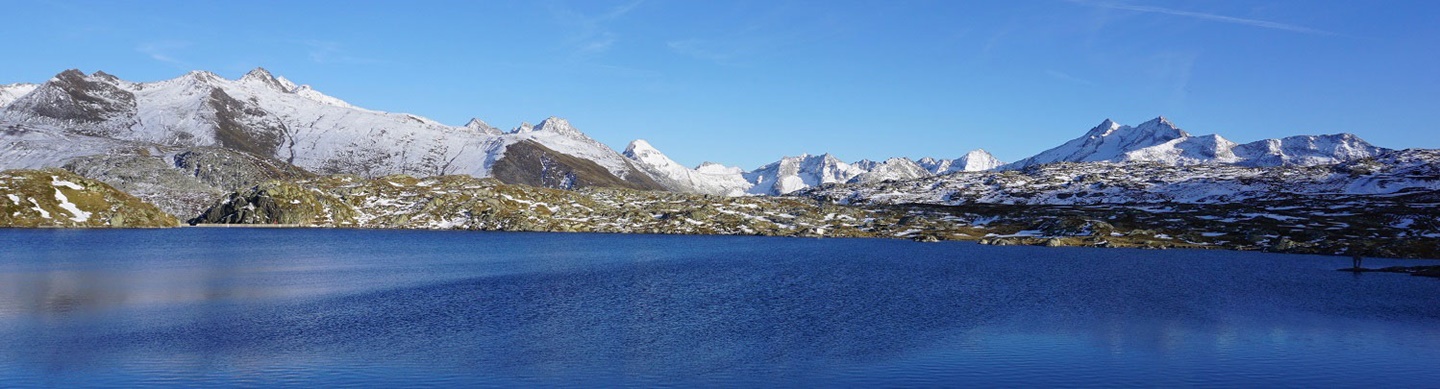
[105, 76]
[260, 76]
[559, 126]
[69, 75]
[639, 148]
[1105, 128]
[1160, 127]
[203, 76]
[480, 126]
[525, 128]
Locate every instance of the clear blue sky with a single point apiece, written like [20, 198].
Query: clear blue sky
[745, 82]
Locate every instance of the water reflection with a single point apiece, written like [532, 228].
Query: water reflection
[326, 308]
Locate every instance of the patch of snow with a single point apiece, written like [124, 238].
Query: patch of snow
[43, 212]
[79, 216]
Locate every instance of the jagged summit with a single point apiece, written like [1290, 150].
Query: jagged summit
[258, 73]
[260, 76]
[558, 126]
[482, 127]
[1104, 128]
[1160, 140]
[1160, 127]
[524, 128]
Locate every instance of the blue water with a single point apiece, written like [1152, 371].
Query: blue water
[269, 307]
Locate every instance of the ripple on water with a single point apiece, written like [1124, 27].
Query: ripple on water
[346, 308]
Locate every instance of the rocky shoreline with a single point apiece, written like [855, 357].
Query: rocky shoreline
[1419, 271]
[468, 203]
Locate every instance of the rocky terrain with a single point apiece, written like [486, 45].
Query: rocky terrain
[464, 202]
[1401, 225]
[58, 198]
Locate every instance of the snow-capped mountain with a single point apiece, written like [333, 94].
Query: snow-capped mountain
[1305, 150]
[1108, 141]
[891, 169]
[1390, 173]
[973, 161]
[75, 114]
[11, 92]
[708, 178]
[1159, 140]
[790, 174]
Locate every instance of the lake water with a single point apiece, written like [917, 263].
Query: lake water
[270, 307]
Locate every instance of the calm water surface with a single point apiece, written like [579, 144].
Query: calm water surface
[266, 307]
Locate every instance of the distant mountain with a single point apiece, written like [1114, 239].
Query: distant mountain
[11, 92]
[1393, 172]
[74, 115]
[1159, 140]
[974, 161]
[177, 142]
[791, 174]
[708, 178]
[891, 169]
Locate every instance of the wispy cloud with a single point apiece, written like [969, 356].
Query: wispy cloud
[1203, 16]
[330, 52]
[700, 49]
[164, 51]
[1062, 76]
[1171, 73]
[761, 33]
[592, 34]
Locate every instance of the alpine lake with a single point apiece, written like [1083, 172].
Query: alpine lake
[195, 307]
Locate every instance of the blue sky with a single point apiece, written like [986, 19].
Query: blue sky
[745, 82]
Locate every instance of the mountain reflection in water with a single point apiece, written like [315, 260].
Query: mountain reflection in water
[339, 307]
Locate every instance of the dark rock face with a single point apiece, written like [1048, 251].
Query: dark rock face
[183, 182]
[257, 207]
[229, 170]
[74, 97]
[530, 163]
[245, 127]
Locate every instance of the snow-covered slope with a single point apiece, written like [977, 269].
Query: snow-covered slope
[1392, 172]
[1108, 141]
[271, 116]
[891, 169]
[10, 92]
[1160, 141]
[708, 178]
[973, 161]
[790, 174]
[1305, 150]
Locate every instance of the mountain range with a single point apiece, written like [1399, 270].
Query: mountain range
[200, 134]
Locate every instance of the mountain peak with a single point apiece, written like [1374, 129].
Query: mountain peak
[559, 126]
[203, 76]
[639, 146]
[1104, 128]
[258, 73]
[1162, 127]
[480, 126]
[103, 75]
[264, 77]
[525, 127]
